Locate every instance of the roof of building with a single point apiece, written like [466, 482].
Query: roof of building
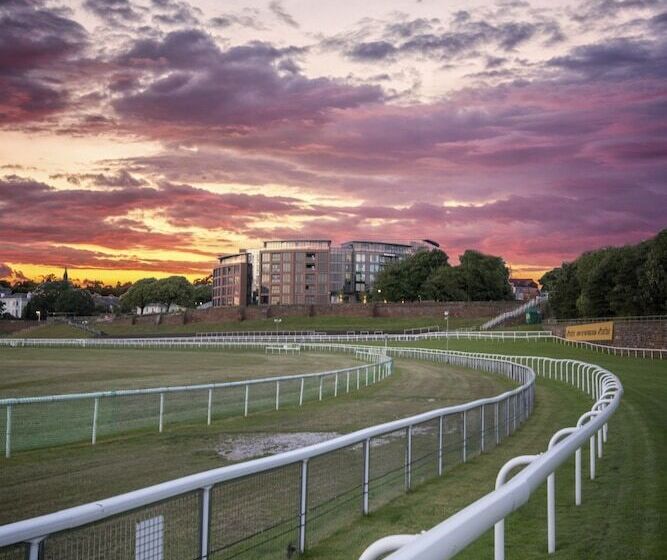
[523, 282]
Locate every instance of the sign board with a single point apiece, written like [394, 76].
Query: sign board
[591, 332]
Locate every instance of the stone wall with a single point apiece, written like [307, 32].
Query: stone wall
[629, 334]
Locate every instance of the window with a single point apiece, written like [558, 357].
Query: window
[275, 289]
[287, 279]
[310, 266]
[287, 267]
[275, 300]
[287, 288]
[287, 257]
[266, 267]
[275, 257]
[275, 278]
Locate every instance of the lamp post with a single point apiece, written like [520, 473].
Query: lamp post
[447, 327]
[39, 316]
[277, 321]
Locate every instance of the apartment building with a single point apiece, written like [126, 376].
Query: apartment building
[305, 271]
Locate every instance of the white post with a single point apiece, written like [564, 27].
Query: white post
[592, 456]
[577, 477]
[303, 506]
[8, 432]
[440, 443]
[161, 411]
[205, 521]
[210, 406]
[95, 411]
[347, 383]
[277, 395]
[367, 469]
[496, 424]
[465, 436]
[301, 392]
[358, 372]
[482, 430]
[245, 407]
[321, 381]
[408, 458]
[336, 385]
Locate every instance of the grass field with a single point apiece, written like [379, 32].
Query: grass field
[342, 324]
[623, 511]
[48, 371]
[44, 480]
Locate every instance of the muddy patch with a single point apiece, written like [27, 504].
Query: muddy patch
[242, 447]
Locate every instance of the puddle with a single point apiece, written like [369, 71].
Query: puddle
[242, 447]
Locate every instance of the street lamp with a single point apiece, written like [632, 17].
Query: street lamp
[39, 316]
[447, 328]
[277, 321]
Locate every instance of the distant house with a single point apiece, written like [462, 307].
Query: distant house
[15, 303]
[524, 288]
[153, 308]
[109, 303]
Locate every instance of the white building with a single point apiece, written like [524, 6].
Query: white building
[15, 303]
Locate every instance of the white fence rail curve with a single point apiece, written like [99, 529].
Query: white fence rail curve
[229, 512]
[42, 421]
[458, 531]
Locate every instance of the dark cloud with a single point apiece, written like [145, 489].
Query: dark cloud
[616, 58]
[602, 9]
[247, 18]
[5, 271]
[36, 44]
[282, 14]
[113, 11]
[239, 87]
[175, 12]
[375, 50]
[120, 179]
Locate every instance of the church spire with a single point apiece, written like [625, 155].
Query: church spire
[65, 277]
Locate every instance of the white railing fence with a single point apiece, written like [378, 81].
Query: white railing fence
[458, 531]
[279, 505]
[44, 421]
[535, 302]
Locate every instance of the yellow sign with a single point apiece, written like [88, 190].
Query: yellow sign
[590, 332]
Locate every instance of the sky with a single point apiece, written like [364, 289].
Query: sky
[146, 137]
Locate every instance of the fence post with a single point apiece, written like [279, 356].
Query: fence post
[210, 406]
[96, 406]
[8, 432]
[465, 435]
[496, 423]
[303, 506]
[408, 458]
[336, 385]
[482, 429]
[161, 411]
[367, 470]
[440, 443]
[277, 395]
[245, 406]
[205, 521]
[321, 381]
[301, 392]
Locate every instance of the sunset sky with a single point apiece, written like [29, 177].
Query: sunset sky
[146, 137]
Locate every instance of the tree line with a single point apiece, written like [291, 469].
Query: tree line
[54, 296]
[427, 275]
[611, 282]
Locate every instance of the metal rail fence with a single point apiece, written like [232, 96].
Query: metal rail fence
[535, 302]
[277, 506]
[455, 533]
[36, 422]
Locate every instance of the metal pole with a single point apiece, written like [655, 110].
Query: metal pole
[336, 385]
[161, 411]
[367, 469]
[321, 381]
[440, 441]
[408, 458]
[465, 435]
[577, 477]
[496, 424]
[210, 406]
[245, 408]
[8, 432]
[205, 521]
[277, 395]
[301, 392]
[95, 411]
[551, 513]
[303, 506]
[482, 430]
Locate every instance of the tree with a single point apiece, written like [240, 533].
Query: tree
[562, 284]
[2, 307]
[45, 297]
[75, 301]
[174, 290]
[202, 293]
[139, 295]
[405, 280]
[485, 277]
[653, 276]
[445, 284]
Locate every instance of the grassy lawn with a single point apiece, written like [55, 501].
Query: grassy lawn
[623, 510]
[52, 330]
[47, 371]
[342, 324]
[44, 480]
